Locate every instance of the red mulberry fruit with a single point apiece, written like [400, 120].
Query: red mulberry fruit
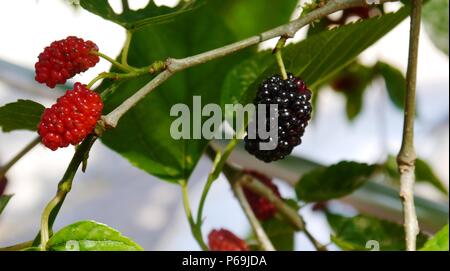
[262, 207]
[71, 118]
[224, 240]
[63, 59]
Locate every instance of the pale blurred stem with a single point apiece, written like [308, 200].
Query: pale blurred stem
[258, 230]
[126, 48]
[175, 65]
[64, 186]
[279, 56]
[18, 156]
[407, 156]
[18, 247]
[187, 209]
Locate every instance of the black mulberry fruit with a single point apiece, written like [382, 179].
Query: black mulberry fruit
[292, 98]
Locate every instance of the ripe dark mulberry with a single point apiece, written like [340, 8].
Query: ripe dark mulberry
[63, 59]
[224, 240]
[261, 206]
[292, 98]
[71, 118]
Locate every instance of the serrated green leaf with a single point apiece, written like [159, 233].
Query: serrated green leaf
[362, 232]
[435, 17]
[4, 199]
[395, 83]
[90, 236]
[315, 59]
[280, 233]
[135, 19]
[439, 242]
[335, 181]
[21, 115]
[143, 134]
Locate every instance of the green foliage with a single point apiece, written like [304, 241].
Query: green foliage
[4, 199]
[395, 83]
[20, 115]
[90, 236]
[439, 242]
[315, 59]
[435, 17]
[353, 233]
[424, 173]
[335, 181]
[135, 19]
[143, 134]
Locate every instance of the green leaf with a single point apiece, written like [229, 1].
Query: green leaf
[4, 199]
[361, 231]
[280, 233]
[435, 17]
[143, 134]
[335, 181]
[135, 19]
[424, 173]
[395, 83]
[439, 242]
[21, 115]
[315, 59]
[90, 236]
[352, 81]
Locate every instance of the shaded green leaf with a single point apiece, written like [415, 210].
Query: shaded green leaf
[395, 83]
[135, 19]
[435, 17]
[90, 236]
[352, 81]
[335, 181]
[143, 134]
[315, 59]
[280, 233]
[21, 115]
[439, 242]
[359, 232]
[4, 199]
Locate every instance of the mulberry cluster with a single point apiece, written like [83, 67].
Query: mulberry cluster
[224, 240]
[261, 206]
[71, 118]
[292, 98]
[63, 59]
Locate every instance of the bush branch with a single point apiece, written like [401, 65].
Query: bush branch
[259, 231]
[407, 155]
[175, 65]
[18, 156]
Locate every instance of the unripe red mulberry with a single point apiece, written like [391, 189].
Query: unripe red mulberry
[63, 59]
[224, 240]
[262, 207]
[71, 118]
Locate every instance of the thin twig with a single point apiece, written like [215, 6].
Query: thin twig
[18, 247]
[175, 65]
[18, 156]
[407, 155]
[259, 231]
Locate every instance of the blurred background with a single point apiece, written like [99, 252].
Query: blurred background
[149, 210]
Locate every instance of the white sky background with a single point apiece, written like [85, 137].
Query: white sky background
[27, 26]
